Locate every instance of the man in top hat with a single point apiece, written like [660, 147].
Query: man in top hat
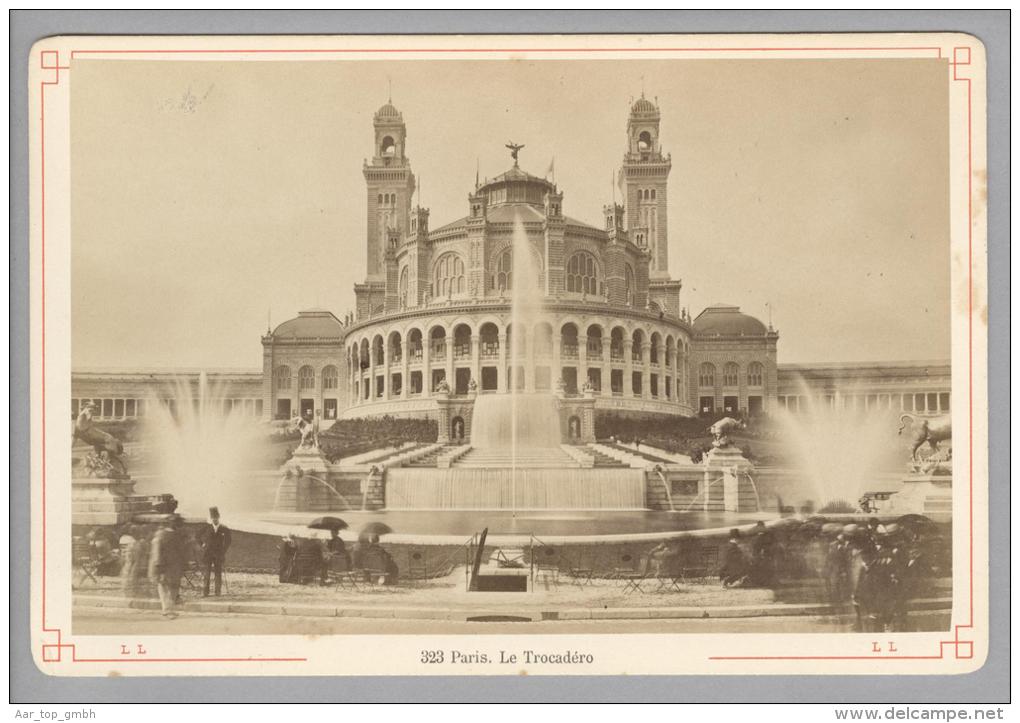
[215, 542]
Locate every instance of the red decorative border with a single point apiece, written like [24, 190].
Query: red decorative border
[961, 56]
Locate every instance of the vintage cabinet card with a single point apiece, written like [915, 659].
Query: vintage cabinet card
[509, 355]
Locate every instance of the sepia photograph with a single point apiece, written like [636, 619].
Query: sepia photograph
[486, 355]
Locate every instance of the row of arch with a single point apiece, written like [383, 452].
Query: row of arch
[283, 377]
[707, 375]
[378, 350]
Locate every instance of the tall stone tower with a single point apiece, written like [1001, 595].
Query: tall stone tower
[645, 173]
[390, 185]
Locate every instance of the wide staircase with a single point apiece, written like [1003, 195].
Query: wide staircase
[604, 460]
[525, 458]
[645, 455]
[426, 460]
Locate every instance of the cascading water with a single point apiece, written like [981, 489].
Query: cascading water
[519, 419]
[515, 421]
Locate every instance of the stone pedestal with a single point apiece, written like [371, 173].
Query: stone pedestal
[928, 493]
[105, 500]
[443, 416]
[729, 463]
[305, 475]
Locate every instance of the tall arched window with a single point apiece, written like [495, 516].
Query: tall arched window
[503, 279]
[755, 372]
[449, 276]
[731, 374]
[583, 274]
[402, 294]
[706, 375]
[306, 378]
[628, 284]
[282, 377]
[330, 377]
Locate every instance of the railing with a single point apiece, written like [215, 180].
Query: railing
[569, 351]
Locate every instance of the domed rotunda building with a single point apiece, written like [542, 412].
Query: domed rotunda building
[433, 320]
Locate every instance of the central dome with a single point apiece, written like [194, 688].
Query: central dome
[515, 187]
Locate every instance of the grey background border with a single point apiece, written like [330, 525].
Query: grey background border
[990, 684]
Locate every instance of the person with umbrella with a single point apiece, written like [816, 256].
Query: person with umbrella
[371, 558]
[335, 556]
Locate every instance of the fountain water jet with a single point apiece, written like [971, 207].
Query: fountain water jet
[203, 450]
[841, 450]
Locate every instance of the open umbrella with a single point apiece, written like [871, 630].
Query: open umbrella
[327, 523]
[373, 528]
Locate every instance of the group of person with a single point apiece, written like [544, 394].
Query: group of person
[879, 572]
[758, 569]
[876, 569]
[160, 558]
[303, 560]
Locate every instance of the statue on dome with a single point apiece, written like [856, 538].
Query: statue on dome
[515, 148]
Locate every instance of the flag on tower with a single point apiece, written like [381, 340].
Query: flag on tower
[551, 171]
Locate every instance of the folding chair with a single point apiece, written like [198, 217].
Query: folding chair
[83, 561]
[192, 573]
[548, 571]
[671, 577]
[579, 571]
[633, 579]
[342, 575]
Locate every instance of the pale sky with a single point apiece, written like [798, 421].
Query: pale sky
[207, 195]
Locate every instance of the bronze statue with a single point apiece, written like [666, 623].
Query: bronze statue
[931, 430]
[722, 429]
[515, 148]
[309, 432]
[105, 457]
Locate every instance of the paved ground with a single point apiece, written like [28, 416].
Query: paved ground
[97, 621]
[449, 592]
[259, 604]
